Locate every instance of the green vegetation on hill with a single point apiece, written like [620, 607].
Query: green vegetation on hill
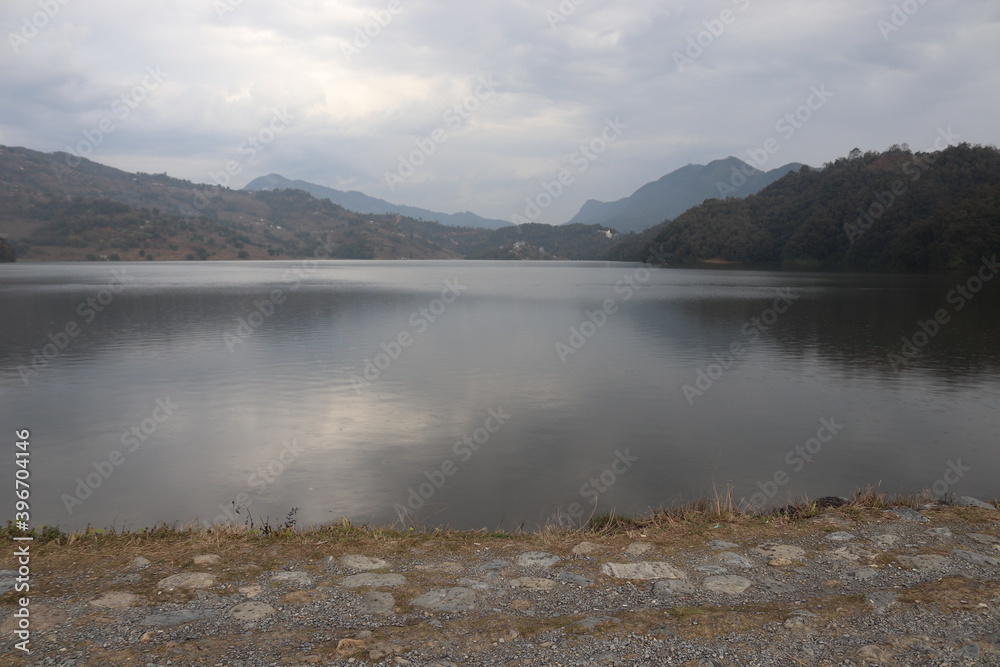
[895, 210]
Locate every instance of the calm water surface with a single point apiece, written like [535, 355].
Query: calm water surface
[360, 389]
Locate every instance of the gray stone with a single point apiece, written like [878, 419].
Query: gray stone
[721, 544]
[983, 539]
[533, 583]
[775, 587]
[541, 559]
[881, 600]
[734, 560]
[497, 564]
[909, 514]
[864, 573]
[974, 558]
[449, 600]
[638, 548]
[778, 551]
[671, 587]
[800, 619]
[885, 541]
[130, 578]
[939, 532]
[358, 562]
[295, 578]
[840, 536]
[664, 631]
[250, 612]
[474, 584]
[586, 548]
[969, 501]
[872, 654]
[373, 580]
[573, 578]
[140, 563]
[594, 621]
[206, 559]
[710, 569]
[8, 579]
[644, 570]
[727, 583]
[179, 616]
[187, 580]
[968, 652]
[116, 600]
[377, 603]
[923, 561]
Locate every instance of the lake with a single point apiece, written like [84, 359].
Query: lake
[485, 394]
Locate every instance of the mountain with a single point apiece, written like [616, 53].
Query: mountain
[671, 195]
[362, 203]
[896, 210]
[57, 207]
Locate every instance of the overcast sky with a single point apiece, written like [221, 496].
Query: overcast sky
[180, 85]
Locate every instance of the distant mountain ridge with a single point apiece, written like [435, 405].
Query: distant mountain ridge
[359, 202]
[669, 196]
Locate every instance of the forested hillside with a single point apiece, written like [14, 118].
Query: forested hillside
[894, 210]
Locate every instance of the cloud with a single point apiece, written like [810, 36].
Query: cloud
[365, 80]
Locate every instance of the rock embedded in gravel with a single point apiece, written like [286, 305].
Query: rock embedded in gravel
[372, 580]
[969, 501]
[864, 573]
[206, 559]
[140, 563]
[983, 539]
[539, 559]
[670, 587]
[251, 612]
[448, 600]
[295, 578]
[909, 514]
[881, 600]
[533, 583]
[873, 654]
[586, 548]
[777, 551]
[377, 603]
[721, 544]
[593, 621]
[729, 584]
[643, 570]
[735, 560]
[116, 600]
[840, 537]
[189, 580]
[923, 562]
[638, 548]
[975, 558]
[799, 619]
[573, 578]
[884, 541]
[939, 532]
[359, 562]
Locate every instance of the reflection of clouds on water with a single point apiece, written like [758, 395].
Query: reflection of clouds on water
[494, 347]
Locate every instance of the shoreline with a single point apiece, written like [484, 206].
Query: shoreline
[866, 582]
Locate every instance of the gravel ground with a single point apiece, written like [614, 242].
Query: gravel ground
[883, 588]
